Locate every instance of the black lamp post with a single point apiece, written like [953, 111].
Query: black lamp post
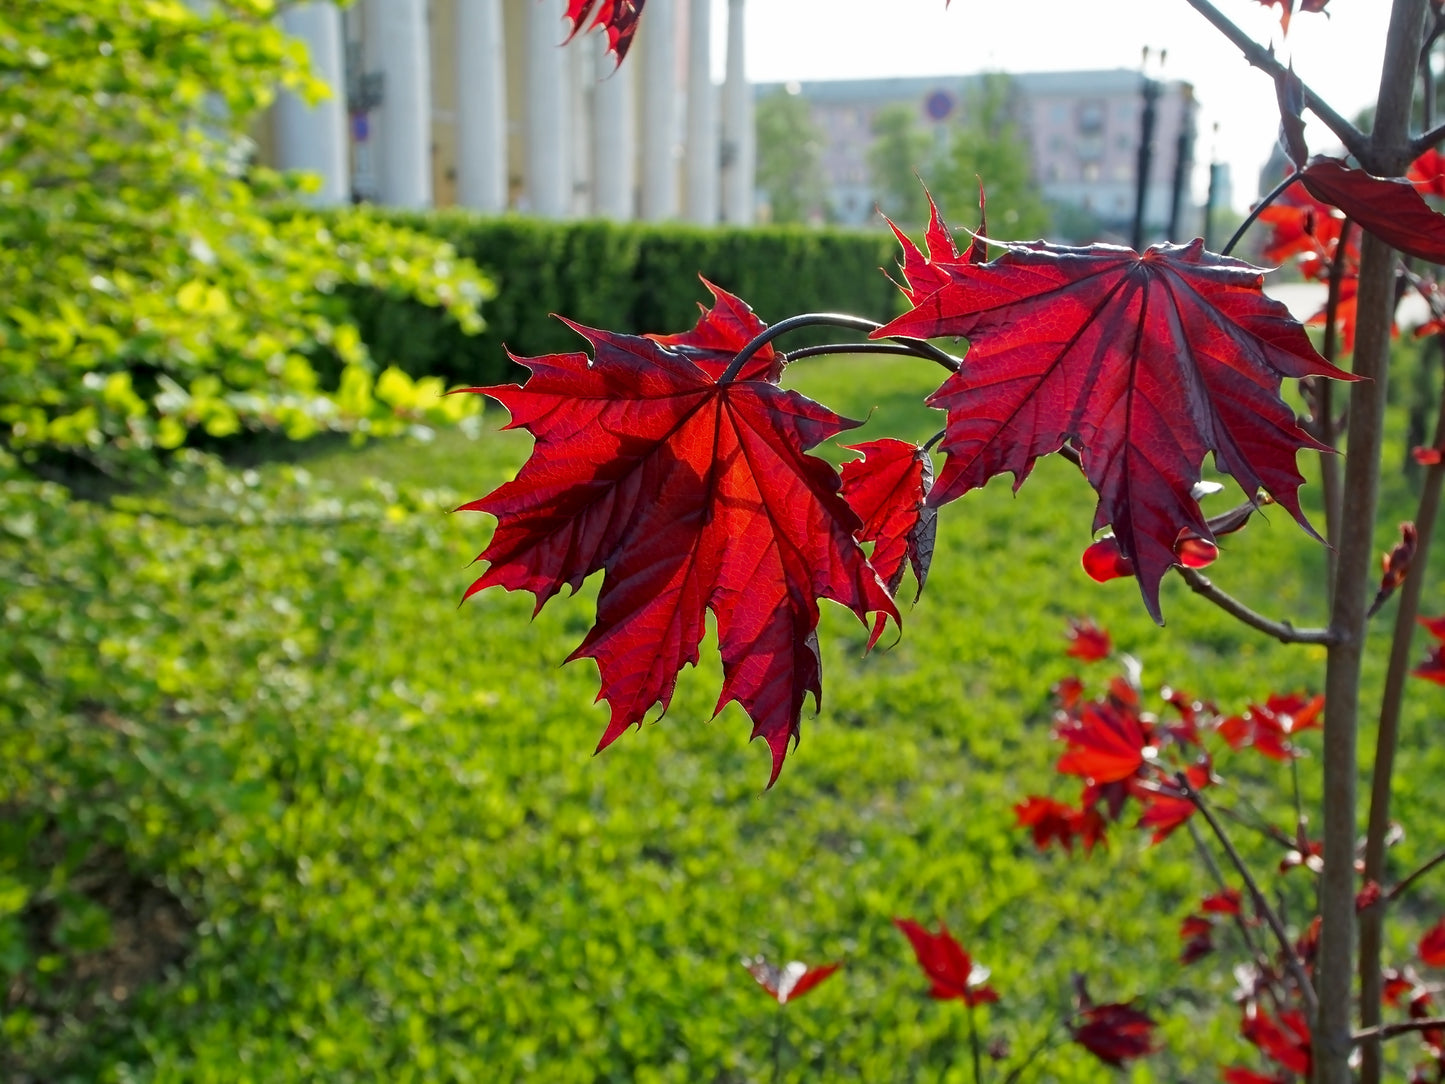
[1150, 90]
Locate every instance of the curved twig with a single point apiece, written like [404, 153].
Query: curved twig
[1255, 211]
[831, 319]
[1282, 631]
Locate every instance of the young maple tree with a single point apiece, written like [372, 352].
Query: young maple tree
[678, 466]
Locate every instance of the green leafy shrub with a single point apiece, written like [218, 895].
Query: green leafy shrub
[644, 276]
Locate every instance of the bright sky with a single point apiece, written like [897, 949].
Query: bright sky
[1338, 56]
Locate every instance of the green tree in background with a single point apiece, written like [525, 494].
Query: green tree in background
[149, 287]
[988, 142]
[790, 165]
[985, 141]
[900, 153]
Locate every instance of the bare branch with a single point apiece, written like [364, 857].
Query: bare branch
[1260, 57]
[1392, 1031]
[1261, 904]
[1404, 886]
[1282, 631]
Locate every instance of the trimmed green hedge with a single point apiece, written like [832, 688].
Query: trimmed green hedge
[622, 276]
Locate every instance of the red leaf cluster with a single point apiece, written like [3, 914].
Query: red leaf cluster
[1197, 929]
[1433, 668]
[789, 982]
[1284, 1038]
[1087, 642]
[1124, 754]
[1268, 727]
[691, 495]
[1116, 1033]
[618, 17]
[1085, 347]
[1308, 221]
[950, 969]
[1051, 821]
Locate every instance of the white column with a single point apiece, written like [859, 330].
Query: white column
[738, 136]
[658, 34]
[614, 146]
[548, 174]
[396, 41]
[702, 138]
[579, 112]
[313, 138]
[481, 106]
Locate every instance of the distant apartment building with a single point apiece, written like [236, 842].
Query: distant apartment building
[1083, 129]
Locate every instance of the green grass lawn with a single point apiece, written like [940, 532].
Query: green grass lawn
[403, 861]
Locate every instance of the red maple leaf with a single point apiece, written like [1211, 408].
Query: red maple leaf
[1347, 307]
[691, 495]
[1106, 743]
[1269, 726]
[888, 488]
[1050, 821]
[948, 965]
[1427, 173]
[720, 334]
[1224, 902]
[923, 274]
[789, 982]
[1284, 1039]
[618, 16]
[1114, 1033]
[1306, 230]
[1087, 347]
[1389, 207]
[1432, 945]
[1087, 642]
[1433, 668]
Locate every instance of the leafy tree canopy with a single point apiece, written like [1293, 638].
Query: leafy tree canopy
[152, 286]
[790, 150]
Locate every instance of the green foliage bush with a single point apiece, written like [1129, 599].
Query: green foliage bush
[149, 294]
[627, 277]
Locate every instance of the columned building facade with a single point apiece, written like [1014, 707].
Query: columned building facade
[476, 103]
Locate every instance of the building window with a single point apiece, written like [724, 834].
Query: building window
[1091, 172]
[1090, 116]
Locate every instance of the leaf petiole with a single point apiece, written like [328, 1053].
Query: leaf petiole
[832, 319]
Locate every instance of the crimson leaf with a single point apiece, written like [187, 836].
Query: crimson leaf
[1089, 347]
[888, 488]
[1389, 207]
[948, 965]
[618, 16]
[789, 982]
[691, 495]
[1115, 1033]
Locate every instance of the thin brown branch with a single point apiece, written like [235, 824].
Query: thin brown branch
[1283, 631]
[1261, 904]
[1388, 733]
[1404, 886]
[1422, 143]
[1261, 960]
[1260, 57]
[1393, 1031]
